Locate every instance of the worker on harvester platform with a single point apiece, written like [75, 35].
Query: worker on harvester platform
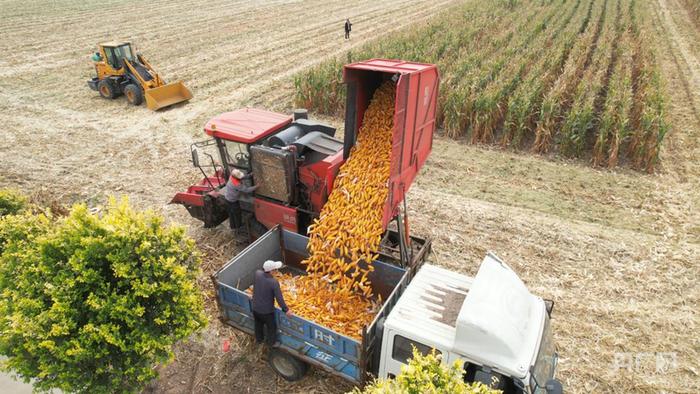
[266, 289]
[232, 194]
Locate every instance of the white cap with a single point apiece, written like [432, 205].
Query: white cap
[237, 173]
[270, 265]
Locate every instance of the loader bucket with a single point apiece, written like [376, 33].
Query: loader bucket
[166, 95]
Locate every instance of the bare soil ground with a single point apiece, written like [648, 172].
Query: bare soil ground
[617, 251]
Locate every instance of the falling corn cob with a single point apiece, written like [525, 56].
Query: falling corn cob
[316, 300]
[349, 229]
[345, 238]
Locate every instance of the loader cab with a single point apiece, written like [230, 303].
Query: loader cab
[491, 324]
[113, 53]
[109, 59]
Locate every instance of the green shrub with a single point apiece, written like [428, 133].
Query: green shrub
[92, 304]
[11, 202]
[427, 375]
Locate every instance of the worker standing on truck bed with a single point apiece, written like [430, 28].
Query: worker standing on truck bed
[266, 289]
[232, 193]
[348, 28]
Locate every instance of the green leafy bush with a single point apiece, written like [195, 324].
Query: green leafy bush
[11, 202]
[92, 304]
[426, 375]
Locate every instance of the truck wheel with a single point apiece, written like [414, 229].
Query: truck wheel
[287, 366]
[133, 94]
[106, 89]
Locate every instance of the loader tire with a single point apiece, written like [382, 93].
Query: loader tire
[106, 89]
[133, 94]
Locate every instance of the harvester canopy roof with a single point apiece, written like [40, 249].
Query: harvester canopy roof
[246, 125]
[391, 66]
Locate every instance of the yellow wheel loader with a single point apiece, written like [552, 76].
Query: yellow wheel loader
[120, 71]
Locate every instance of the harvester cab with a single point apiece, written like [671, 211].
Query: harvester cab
[122, 71]
[291, 158]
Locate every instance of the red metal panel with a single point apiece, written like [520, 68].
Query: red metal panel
[194, 194]
[270, 214]
[318, 179]
[414, 117]
[391, 66]
[187, 198]
[246, 125]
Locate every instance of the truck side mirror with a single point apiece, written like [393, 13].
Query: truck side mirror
[554, 386]
[195, 157]
[549, 305]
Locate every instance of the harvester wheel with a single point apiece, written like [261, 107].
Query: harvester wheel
[133, 94]
[106, 89]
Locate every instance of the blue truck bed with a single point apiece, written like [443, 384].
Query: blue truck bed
[315, 344]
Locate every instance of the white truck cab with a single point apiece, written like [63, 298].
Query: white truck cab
[491, 323]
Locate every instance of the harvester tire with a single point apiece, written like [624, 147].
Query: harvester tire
[133, 94]
[106, 89]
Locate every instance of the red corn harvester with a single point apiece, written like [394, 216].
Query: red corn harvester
[295, 160]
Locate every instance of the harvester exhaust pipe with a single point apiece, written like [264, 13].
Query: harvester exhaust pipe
[301, 113]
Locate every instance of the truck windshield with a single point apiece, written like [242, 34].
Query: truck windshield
[546, 361]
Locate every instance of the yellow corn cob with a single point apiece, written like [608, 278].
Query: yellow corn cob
[337, 292]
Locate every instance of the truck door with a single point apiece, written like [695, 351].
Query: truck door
[397, 350]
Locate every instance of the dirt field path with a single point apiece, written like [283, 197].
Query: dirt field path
[681, 60]
[679, 49]
[683, 37]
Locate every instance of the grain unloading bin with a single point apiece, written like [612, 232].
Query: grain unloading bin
[414, 117]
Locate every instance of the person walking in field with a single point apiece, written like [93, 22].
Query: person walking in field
[348, 28]
[232, 194]
[266, 289]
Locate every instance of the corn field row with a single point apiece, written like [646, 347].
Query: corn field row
[575, 78]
